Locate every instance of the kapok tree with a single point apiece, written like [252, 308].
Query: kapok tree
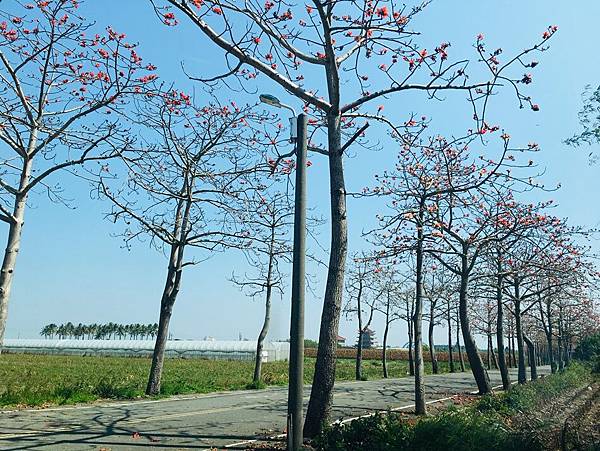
[465, 224]
[437, 290]
[429, 170]
[363, 295]
[565, 274]
[520, 274]
[589, 118]
[390, 282]
[342, 60]
[267, 214]
[183, 189]
[483, 315]
[62, 85]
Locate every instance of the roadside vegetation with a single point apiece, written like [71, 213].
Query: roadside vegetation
[40, 380]
[550, 413]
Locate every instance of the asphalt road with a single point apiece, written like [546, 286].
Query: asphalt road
[224, 420]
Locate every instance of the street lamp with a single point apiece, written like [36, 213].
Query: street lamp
[274, 101]
[296, 364]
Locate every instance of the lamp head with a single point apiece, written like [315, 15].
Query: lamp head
[270, 100]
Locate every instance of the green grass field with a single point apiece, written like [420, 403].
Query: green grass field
[37, 380]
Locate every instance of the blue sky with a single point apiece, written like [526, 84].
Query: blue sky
[72, 269]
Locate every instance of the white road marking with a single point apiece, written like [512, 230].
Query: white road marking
[191, 414]
[8, 435]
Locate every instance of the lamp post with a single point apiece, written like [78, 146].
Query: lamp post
[296, 363]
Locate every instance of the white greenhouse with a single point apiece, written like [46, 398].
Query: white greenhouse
[225, 350]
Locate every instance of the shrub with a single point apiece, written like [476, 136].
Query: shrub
[481, 427]
[589, 348]
[452, 430]
[375, 433]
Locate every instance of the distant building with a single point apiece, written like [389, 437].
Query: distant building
[341, 341]
[368, 339]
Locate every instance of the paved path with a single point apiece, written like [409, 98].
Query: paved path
[223, 420]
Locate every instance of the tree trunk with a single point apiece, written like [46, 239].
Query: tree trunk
[420, 405]
[321, 395]
[359, 344]
[411, 360]
[477, 368]
[561, 362]
[522, 374]
[170, 292]
[432, 354]
[460, 354]
[261, 336]
[549, 339]
[512, 347]
[489, 351]
[532, 357]
[500, 331]
[13, 242]
[494, 359]
[158, 356]
[450, 353]
[267, 320]
[358, 363]
[434, 362]
[385, 336]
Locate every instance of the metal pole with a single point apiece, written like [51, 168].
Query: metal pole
[296, 370]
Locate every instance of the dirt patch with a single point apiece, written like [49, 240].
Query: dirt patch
[569, 422]
[582, 429]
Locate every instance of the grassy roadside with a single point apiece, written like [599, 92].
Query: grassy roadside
[38, 380]
[523, 419]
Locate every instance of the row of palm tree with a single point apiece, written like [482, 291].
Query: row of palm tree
[107, 331]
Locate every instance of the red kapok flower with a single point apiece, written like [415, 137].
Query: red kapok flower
[382, 12]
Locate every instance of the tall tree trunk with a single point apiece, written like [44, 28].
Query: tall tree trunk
[434, 362]
[522, 373]
[261, 337]
[13, 242]
[460, 354]
[432, 354]
[411, 360]
[358, 362]
[513, 348]
[166, 309]
[359, 344]
[561, 362]
[385, 336]
[477, 368]
[500, 330]
[550, 339]
[532, 357]
[321, 395]
[449, 321]
[420, 405]
[494, 358]
[170, 292]
[488, 354]
[158, 356]
[267, 320]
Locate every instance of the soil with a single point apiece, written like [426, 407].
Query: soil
[569, 422]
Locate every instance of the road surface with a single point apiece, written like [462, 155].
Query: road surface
[222, 420]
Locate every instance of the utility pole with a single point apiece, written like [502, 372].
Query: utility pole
[298, 135]
[296, 369]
